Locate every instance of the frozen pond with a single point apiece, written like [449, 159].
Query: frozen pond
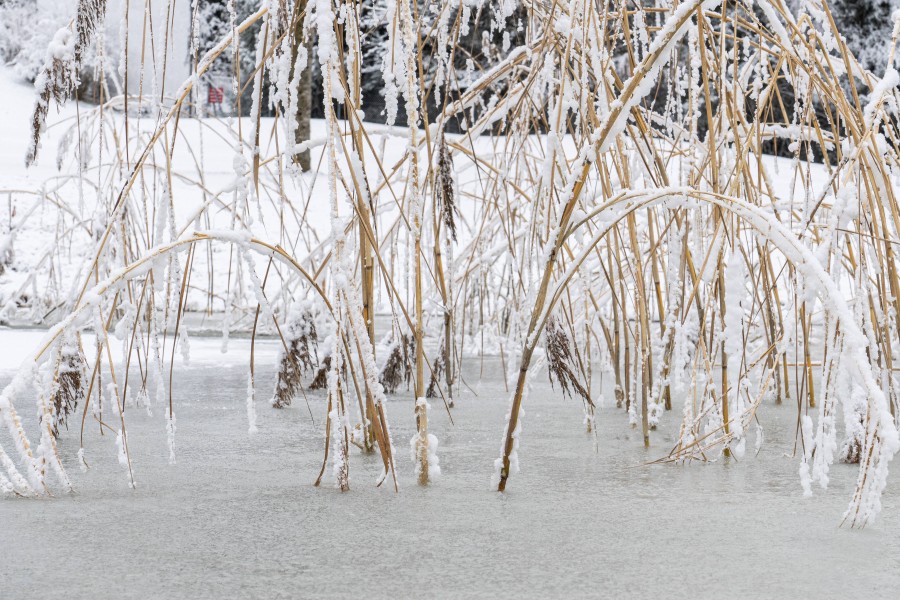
[238, 515]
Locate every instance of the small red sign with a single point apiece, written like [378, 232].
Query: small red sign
[216, 95]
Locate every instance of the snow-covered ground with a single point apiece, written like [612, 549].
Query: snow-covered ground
[52, 209]
[237, 516]
[55, 220]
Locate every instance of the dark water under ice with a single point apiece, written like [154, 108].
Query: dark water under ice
[238, 515]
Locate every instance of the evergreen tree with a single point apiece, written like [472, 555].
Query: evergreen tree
[867, 26]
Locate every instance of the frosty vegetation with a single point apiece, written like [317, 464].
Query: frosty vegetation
[583, 187]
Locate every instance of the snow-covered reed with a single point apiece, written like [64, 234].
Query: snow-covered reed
[603, 197]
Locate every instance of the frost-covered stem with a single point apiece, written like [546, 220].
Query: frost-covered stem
[346, 305]
[421, 412]
[616, 349]
[404, 18]
[525, 361]
[635, 89]
[364, 215]
[720, 286]
[772, 333]
[644, 326]
[374, 411]
[448, 334]
[367, 268]
[676, 284]
[34, 470]
[444, 193]
[251, 387]
[367, 265]
[340, 438]
[421, 441]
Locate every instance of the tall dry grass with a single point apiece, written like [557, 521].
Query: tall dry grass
[611, 211]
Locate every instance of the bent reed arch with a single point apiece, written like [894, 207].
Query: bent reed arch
[881, 442]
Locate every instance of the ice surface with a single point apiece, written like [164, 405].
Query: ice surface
[238, 515]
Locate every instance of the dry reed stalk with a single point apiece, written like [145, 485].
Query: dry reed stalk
[593, 194]
[300, 358]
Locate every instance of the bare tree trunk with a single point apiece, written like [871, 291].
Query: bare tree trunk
[304, 96]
